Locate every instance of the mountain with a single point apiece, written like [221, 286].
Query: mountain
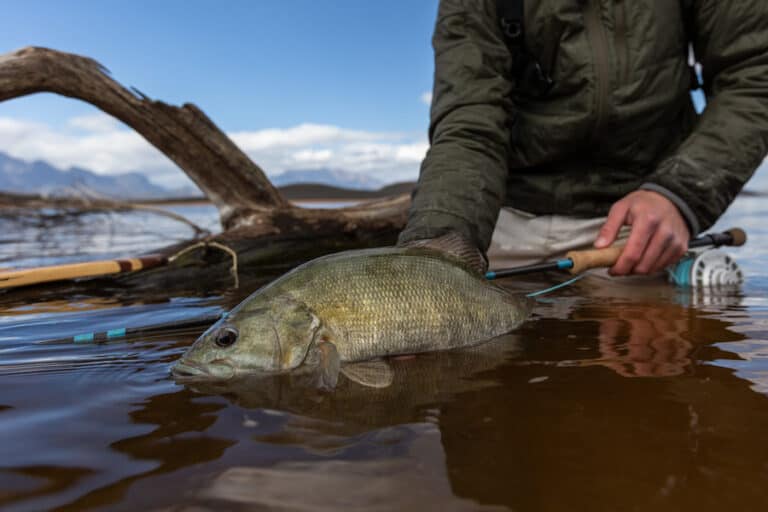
[305, 191]
[38, 177]
[334, 178]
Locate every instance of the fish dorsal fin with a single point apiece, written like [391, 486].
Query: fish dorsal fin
[374, 374]
[455, 245]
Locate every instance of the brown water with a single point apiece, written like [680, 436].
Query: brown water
[612, 397]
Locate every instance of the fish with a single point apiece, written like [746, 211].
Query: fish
[418, 384]
[346, 313]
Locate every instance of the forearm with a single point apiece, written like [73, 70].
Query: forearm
[731, 138]
[463, 177]
[462, 181]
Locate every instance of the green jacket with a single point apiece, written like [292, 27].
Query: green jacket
[618, 118]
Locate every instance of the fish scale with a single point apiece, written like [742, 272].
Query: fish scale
[353, 307]
[396, 301]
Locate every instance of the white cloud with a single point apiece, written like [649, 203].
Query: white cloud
[387, 156]
[301, 135]
[312, 156]
[104, 145]
[98, 123]
[102, 150]
[426, 97]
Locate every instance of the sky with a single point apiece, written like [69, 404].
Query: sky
[298, 84]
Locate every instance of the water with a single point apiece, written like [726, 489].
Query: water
[52, 237]
[613, 397]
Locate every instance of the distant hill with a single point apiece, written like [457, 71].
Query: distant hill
[322, 191]
[38, 177]
[335, 178]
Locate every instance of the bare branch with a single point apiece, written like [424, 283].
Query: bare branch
[185, 134]
[262, 229]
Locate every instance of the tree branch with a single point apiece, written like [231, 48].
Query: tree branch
[261, 227]
[185, 134]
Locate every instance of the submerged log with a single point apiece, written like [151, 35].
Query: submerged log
[297, 235]
[253, 213]
[18, 205]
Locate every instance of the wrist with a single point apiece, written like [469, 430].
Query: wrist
[682, 207]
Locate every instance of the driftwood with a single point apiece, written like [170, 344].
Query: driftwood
[255, 217]
[17, 205]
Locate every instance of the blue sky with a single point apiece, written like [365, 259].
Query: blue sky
[338, 72]
[298, 84]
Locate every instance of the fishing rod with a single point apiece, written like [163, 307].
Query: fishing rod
[98, 268]
[27, 276]
[577, 262]
[128, 332]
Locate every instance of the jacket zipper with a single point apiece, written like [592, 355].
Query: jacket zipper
[622, 53]
[598, 40]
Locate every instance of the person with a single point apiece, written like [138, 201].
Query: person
[572, 125]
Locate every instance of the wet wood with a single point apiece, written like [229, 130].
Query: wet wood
[16, 205]
[185, 134]
[237, 186]
[255, 216]
[298, 235]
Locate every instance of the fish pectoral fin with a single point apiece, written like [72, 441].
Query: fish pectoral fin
[376, 373]
[330, 365]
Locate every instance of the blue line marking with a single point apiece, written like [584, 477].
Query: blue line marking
[565, 264]
[83, 338]
[116, 333]
[490, 275]
[556, 287]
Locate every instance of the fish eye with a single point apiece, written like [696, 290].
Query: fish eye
[226, 337]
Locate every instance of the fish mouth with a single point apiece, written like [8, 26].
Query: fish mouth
[188, 371]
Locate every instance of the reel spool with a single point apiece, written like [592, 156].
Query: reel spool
[707, 269]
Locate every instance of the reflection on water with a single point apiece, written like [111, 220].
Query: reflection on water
[615, 396]
[49, 237]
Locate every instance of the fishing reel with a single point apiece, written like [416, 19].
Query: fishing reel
[703, 268]
[710, 268]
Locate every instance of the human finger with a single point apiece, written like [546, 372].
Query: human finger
[649, 262]
[632, 254]
[671, 254]
[617, 217]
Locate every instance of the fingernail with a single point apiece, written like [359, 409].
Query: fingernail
[600, 242]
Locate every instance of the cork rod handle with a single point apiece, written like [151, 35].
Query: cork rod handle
[594, 258]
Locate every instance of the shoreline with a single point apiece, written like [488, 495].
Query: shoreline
[10, 202]
[203, 201]
[303, 193]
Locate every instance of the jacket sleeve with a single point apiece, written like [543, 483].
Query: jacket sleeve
[731, 137]
[463, 178]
